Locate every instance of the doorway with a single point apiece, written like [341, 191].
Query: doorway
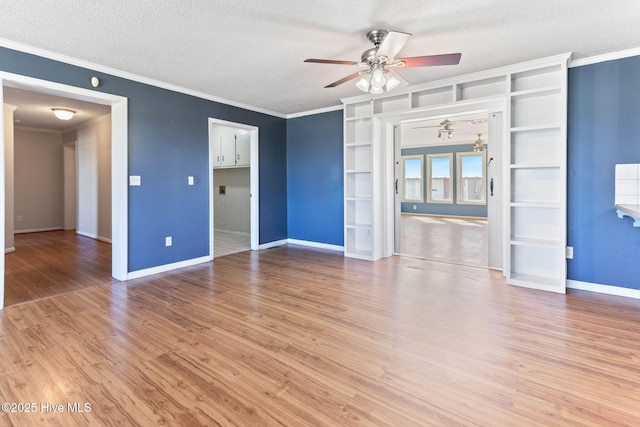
[437, 214]
[118, 169]
[234, 183]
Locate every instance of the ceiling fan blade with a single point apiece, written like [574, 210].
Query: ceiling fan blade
[331, 61]
[392, 43]
[431, 60]
[344, 79]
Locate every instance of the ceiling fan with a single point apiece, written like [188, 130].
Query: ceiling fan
[479, 144]
[377, 64]
[445, 129]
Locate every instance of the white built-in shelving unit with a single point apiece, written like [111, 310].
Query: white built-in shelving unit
[534, 99]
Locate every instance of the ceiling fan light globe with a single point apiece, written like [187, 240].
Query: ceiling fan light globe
[376, 90]
[363, 82]
[378, 79]
[392, 82]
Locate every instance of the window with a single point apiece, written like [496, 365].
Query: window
[412, 179]
[439, 173]
[471, 178]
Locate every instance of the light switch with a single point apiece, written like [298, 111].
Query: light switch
[135, 180]
[190, 180]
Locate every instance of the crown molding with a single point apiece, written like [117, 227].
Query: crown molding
[314, 112]
[9, 44]
[605, 57]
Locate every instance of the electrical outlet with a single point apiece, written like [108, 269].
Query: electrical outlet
[190, 180]
[168, 241]
[569, 252]
[19, 218]
[415, 207]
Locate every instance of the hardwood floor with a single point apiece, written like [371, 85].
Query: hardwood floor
[463, 241]
[52, 263]
[293, 336]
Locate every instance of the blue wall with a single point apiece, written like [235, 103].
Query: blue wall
[315, 178]
[441, 208]
[168, 140]
[603, 129]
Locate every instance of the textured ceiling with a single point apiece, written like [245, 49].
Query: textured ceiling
[253, 52]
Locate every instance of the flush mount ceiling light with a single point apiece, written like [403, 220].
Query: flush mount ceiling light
[63, 113]
[378, 76]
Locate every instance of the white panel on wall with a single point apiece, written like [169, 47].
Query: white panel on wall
[8, 177]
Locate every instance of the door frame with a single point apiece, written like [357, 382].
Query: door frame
[386, 124]
[254, 178]
[119, 162]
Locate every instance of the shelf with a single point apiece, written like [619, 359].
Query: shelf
[632, 211]
[358, 199]
[537, 78]
[551, 90]
[534, 128]
[431, 97]
[545, 281]
[357, 111]
[536, 166]
[359, 254]
[356, 119]
[359, 225]
[357, 171]
[358, 144]
[545, 243]
[545, 205]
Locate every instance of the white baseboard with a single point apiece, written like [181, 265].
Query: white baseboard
[37, 230]
[93, 236]
[316, 245]
[604, 289]
[9, 250]
[272, 244]
[167, 267]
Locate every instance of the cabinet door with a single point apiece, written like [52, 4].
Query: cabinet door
[228, 148]
[242, 149]
[215, 145]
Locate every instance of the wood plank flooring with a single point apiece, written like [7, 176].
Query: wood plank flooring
[299, 337]
[455, 240]
[52, 263]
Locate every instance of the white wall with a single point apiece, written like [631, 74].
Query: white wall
[8, 176]
[38, 180]
[93, 151]
[70, 182]
[232, 211]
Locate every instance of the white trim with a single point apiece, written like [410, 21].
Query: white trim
[254, 181]
[604, 289]
[273, 244]
[315, 245]
[9, 250]
[130, 76]
[605, 57]
[119, 166]
[167, 267]
[314, 112]
[37, 230]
